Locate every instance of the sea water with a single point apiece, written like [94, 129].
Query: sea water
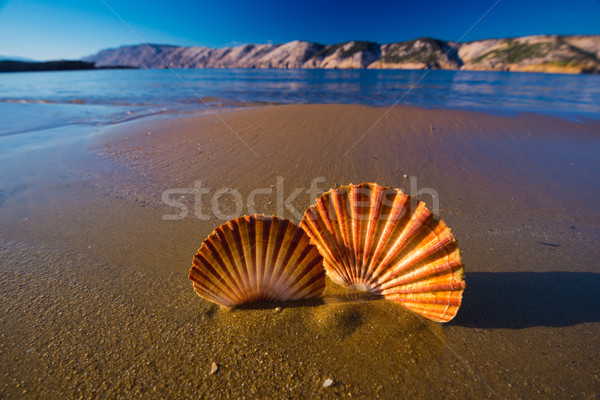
[39, 104]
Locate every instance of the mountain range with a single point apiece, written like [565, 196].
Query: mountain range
[538, 53]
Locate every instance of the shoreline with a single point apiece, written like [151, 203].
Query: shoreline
[532, 69]
[126, 117]
[96, 300]
[495, 93]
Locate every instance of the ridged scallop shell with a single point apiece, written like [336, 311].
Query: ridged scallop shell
[257, 259]
[374, 238]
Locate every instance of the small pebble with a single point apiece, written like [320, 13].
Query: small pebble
[328, 382]
[149, 133]
[278, 308]
[214, 369]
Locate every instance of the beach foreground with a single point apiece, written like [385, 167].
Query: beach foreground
[96, 300]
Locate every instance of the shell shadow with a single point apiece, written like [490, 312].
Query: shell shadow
[314, 302]
[327, 298]
[515, 300]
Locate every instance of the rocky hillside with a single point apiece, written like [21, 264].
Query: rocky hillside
[423, 53]
[566, 54]
[541, 53]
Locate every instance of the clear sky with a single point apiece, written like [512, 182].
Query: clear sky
[75, 28]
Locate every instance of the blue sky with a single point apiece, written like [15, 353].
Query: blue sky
[75, 28]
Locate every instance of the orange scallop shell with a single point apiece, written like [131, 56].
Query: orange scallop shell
[257, 259]
[374, 238]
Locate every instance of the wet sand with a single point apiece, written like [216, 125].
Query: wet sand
[96, 300]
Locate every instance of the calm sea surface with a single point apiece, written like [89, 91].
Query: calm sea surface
[46, 104]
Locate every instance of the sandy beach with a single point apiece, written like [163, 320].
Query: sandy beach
[96, 301]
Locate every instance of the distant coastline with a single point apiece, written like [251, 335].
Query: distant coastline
[60, 65]
[573, 54]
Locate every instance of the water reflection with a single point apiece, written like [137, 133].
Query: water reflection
[146, 91]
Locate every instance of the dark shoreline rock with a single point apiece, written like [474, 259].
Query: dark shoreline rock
[60, 65]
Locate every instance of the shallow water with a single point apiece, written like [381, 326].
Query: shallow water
[30, 101]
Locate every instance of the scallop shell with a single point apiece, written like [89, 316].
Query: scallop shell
[257, 259]
[374, 238]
